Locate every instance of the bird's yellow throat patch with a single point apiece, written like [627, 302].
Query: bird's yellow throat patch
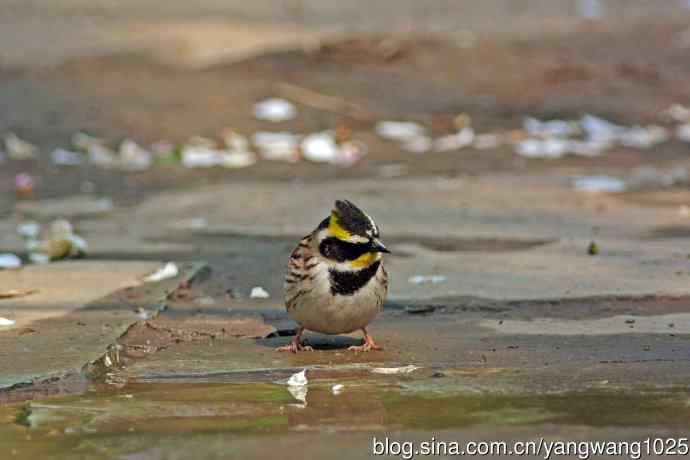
[336, 230]
[364, 260]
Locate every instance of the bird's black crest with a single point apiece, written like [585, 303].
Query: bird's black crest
[353, 219]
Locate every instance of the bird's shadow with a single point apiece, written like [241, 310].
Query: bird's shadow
[282, 337]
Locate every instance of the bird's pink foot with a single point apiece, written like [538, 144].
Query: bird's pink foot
[296, 345]
[368, 345]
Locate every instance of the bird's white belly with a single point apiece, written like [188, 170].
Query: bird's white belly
[320, 311]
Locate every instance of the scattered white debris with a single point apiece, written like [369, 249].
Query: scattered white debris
[542, 148]
[643, 137]
[29, 229]
[144, 314]
[62, 157]
[588, 148]
[323, 148]
[101, 155]
[399, 130]
[199, 157]
[550, 128]
[133, 157]
[85, 141]
[337, 388]
[395, 370]
[201, 141]
[487, 141]
[38, 258]
[275, 109]
[299, 379]
[683, 132]
[235, 141]
[167, 271]
[679, 113]
[19, 149]
[320, 147]
[300, 394]
[599, 184]
[6, 322]
[597, 128]
[9, 261]
[418, 144]
[422, 279]
[280, 146]
[456, 141]
[259, 293]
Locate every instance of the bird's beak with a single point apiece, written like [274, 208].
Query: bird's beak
[377, 246]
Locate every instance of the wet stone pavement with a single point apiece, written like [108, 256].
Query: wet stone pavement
[526, 334]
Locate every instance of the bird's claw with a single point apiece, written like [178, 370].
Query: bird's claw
[294, 347]
[368, 345]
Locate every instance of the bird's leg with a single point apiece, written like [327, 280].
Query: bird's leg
[368, 344]
[295, 345]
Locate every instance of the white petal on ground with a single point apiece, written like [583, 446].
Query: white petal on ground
[9, 261]
[395, 370]
[550, 128]
[19, 149]
[678, 112]
[101, 155]
[167, 271]
[298, 379]
[62, 157]
[597, 128]
[299, 393]
[133, 157]
[456, 141]
[683, 132]
[29, 229]
[399, 130]
[259, 293]
[428, 279]
[85, 141]
[417, 144]
[236, 159]
[320, 147]
[337, 388]
[542, 148]
[281, 146]
[6, 322]
[599, 184]
[275, 109]
[199, 157]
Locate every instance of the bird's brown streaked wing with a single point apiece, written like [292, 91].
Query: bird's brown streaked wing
[297, 280]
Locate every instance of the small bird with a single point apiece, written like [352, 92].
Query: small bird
[336, 283]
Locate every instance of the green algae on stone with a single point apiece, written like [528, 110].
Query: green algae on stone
[436, 411]
[22, 417]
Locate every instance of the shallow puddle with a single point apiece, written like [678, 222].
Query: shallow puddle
[128, 421]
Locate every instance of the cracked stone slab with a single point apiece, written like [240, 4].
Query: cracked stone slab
[81, 308]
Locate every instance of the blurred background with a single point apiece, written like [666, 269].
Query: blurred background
[180, 74]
